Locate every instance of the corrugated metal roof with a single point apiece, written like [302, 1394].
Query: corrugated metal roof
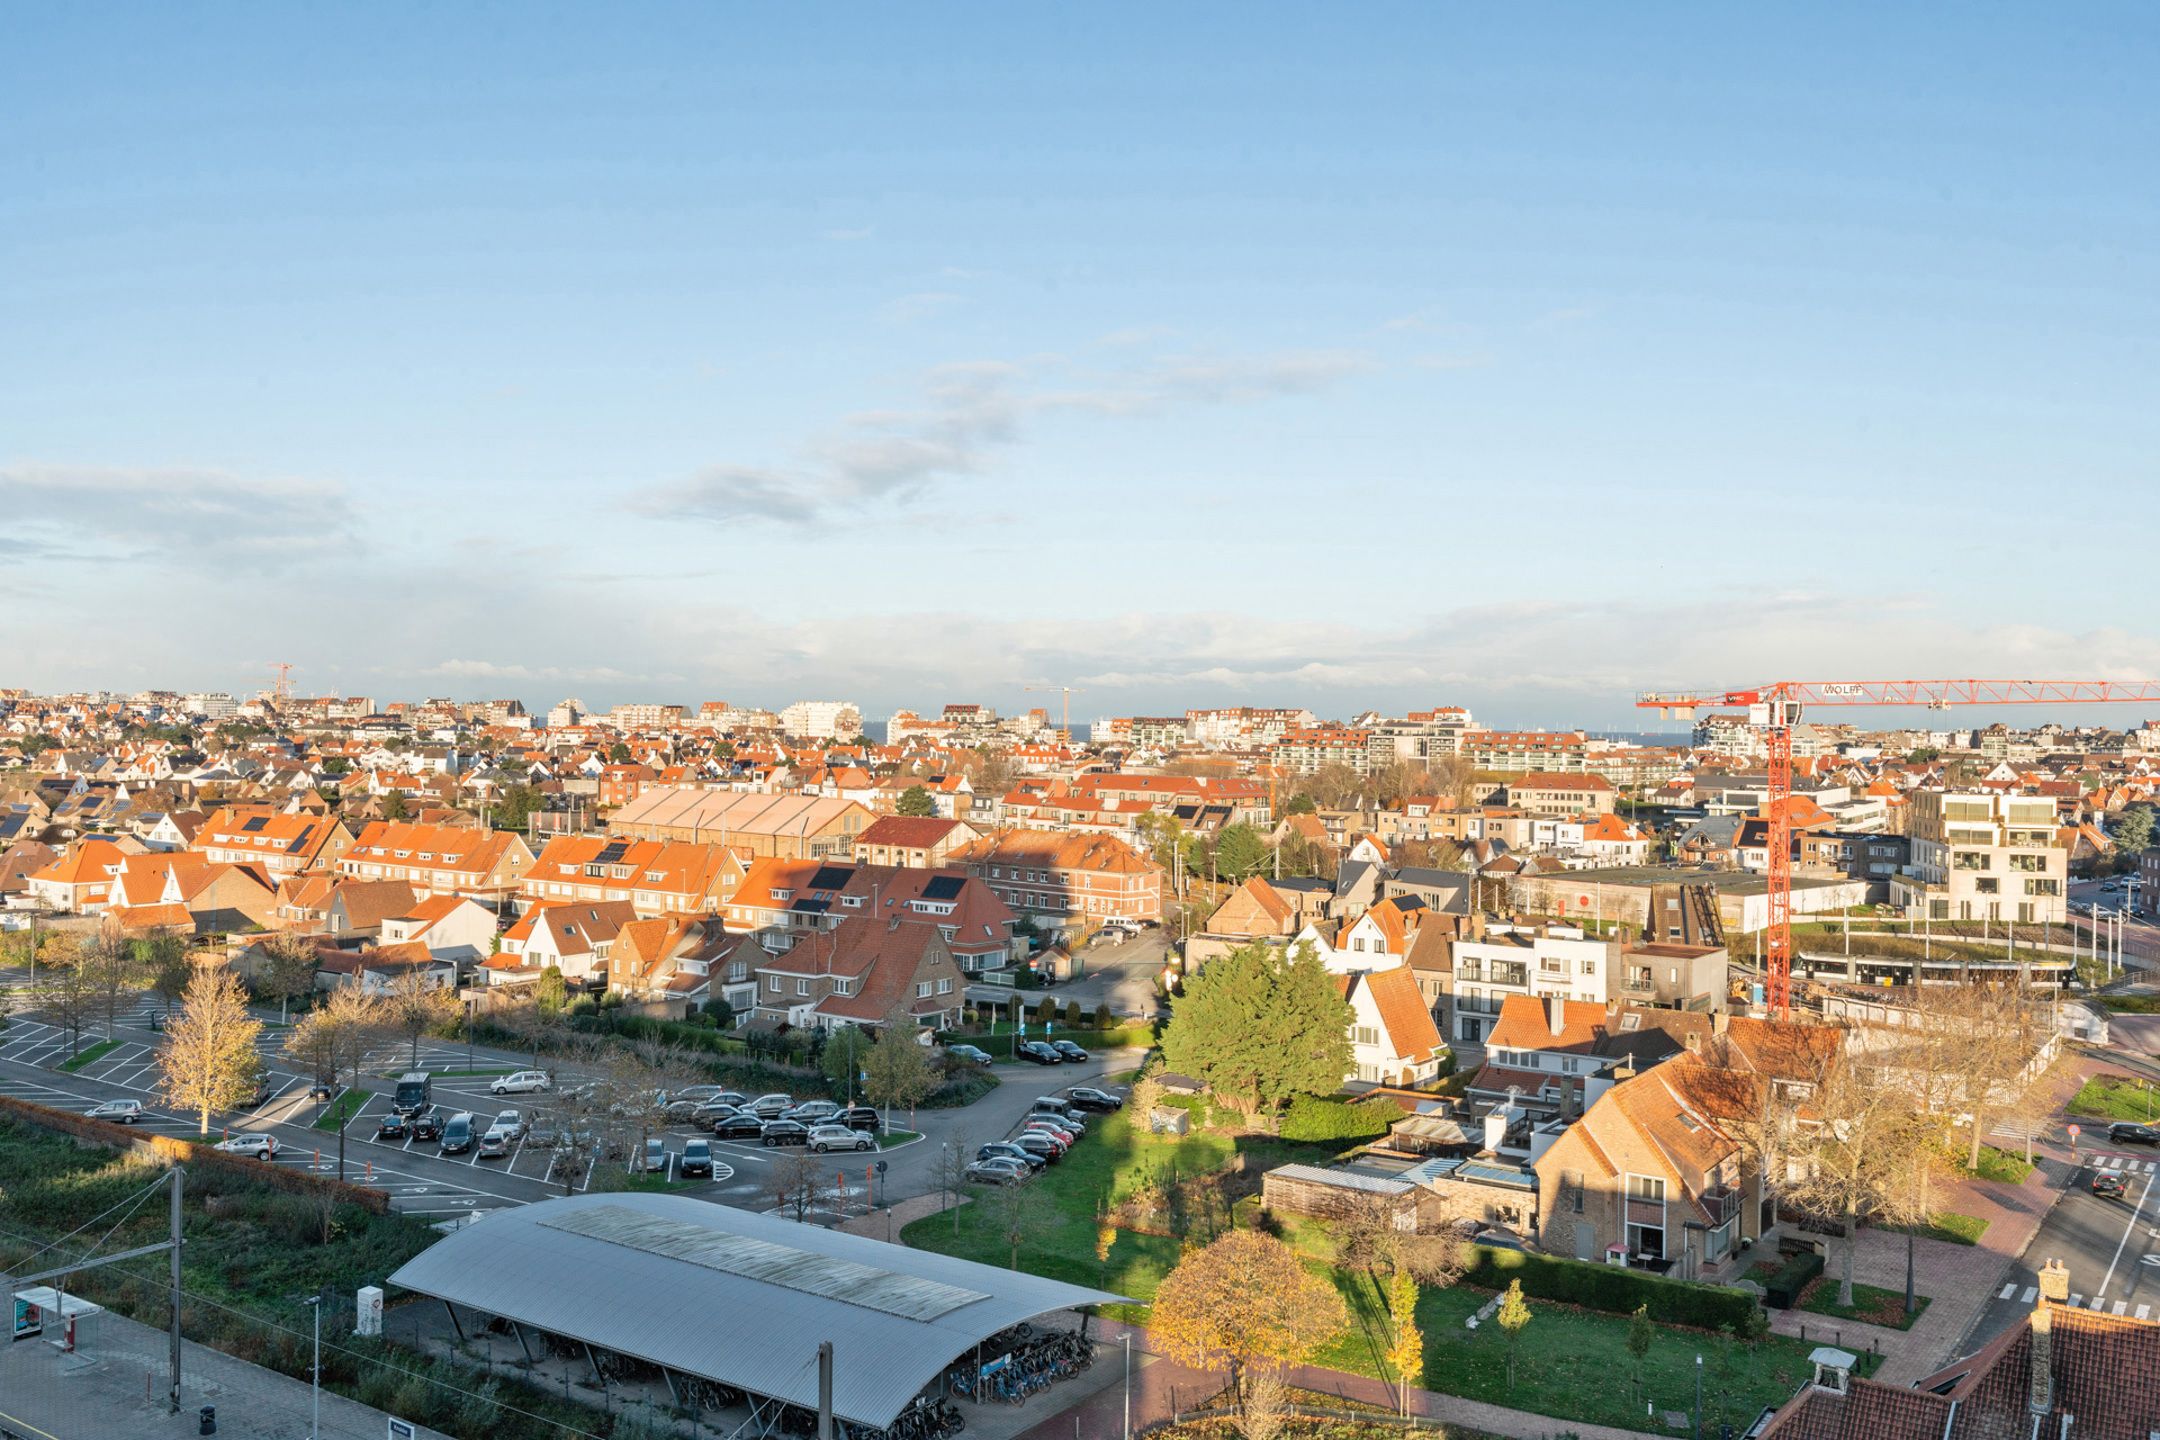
[1343, 1179]
[735, 1296]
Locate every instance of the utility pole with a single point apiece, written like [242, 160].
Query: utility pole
[179, 1184]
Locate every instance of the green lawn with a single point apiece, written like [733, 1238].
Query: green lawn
[1871, 1304]
[2115, 1097]
[2131, 1004]
[1065, 1198]
[2002, 1165]
[96, 1052]
[342, 1109]
[892, 1138]
[1948, 1225]
[1574, 1364]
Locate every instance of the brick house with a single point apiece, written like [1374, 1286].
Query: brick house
[1544, 793]
[861, 972]
[487, 865]
[1074, 882]
[281, 845]
[656, 876]
[1646, 1176]
[784, 902]
[922, 841]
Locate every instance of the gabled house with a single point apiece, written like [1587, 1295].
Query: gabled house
[486, 865]
[452, 928]
[859, 973]
[784, 901]
[281, 845]
[1393, 1040]
[1550, 1051]
[1647, 1178]
[180, 890]
[656, 876]
[573, 936]
[81, 880]
[921, 841]
[684, 961]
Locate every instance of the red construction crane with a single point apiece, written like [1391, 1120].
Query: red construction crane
[1775, 709]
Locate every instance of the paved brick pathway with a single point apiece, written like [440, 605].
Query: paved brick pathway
[1960, 1280]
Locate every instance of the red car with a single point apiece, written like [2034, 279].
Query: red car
[2107, 1186]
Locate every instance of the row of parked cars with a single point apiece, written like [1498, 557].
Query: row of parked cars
[1052, 1126]
[773, 1120]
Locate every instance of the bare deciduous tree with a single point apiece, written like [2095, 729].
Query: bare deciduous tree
[334, 1042]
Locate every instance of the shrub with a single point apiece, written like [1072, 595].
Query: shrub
[1073, 1015]
[1610, 1288]
[1782, 1289]
[1103, 1019]
[1313, 1117]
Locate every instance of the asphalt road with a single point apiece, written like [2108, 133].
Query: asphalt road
[422, 1181]
[2110, 1245]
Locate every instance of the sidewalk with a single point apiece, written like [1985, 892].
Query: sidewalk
[1959, 1280]
[1162, 1389]
[113, 1388]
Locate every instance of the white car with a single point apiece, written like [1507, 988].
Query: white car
[262, 1147]
[521, 1082]
[839, 1137]
[120, 1112]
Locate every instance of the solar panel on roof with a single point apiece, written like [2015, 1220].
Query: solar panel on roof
[255, 822]
[944, 887]
[611, 852]
[831, 877]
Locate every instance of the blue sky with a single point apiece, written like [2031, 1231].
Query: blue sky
[1392, 356]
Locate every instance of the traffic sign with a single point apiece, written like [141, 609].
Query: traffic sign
[2075, 1131]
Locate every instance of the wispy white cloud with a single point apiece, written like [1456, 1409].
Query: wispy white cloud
[176, 515]
[969, 411]
[843, 235]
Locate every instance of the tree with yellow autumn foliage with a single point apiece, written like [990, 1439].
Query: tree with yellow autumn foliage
[1245, 1303]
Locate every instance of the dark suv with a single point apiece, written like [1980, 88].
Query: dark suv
[1040, 1053]
[856, 1117]
[2122, 1132]
[427, 1125]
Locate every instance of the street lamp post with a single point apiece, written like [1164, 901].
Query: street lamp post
[315, 1374]
[1128, 1383]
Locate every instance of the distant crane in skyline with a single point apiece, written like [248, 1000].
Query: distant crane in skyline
[1067, 691]
[1775, 710]
[282, 689]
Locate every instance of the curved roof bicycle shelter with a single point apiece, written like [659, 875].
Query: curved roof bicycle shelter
[735, 1297]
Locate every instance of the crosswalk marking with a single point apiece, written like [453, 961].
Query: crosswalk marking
[2031, 1291]
[2076, 1301]
[2008, 1291]
[2099, 1302]
[2142, 1311]
[2114, 1162]
[2121, 1305]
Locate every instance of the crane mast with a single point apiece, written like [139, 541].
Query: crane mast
[1775, 709]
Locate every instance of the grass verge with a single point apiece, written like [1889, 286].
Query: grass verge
[348, 1104]
[2116, 1097]
[1947, 1225]
[95, 1053]
[1998, 1165]
[1871, 1305]
[2131, 1004]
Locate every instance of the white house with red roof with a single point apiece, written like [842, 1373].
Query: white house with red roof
[452, 927]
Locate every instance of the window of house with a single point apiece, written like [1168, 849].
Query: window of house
[772, 983]
[802, 987]
[922, 989]
[1365, 1035]
[1646, 1187]
[944, 985]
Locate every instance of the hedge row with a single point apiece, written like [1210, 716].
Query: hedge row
[1315, 1117]
[1610, 1288]
[1782, 1290]
[196, 1155]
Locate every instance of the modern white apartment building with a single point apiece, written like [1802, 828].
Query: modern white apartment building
[1543, 961]
[1977, 855]
[822, 720]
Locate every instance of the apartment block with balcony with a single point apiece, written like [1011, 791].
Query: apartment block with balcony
[1977, 855]
[1541, 961]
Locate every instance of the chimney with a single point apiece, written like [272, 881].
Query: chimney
[1556, 1013]
[2054, 1290]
